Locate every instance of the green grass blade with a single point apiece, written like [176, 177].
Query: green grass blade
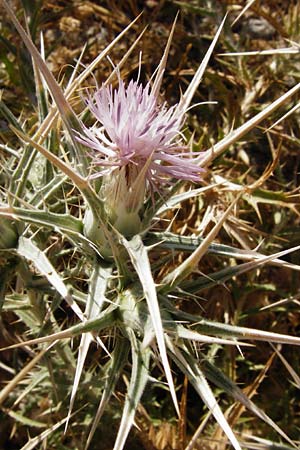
[41, 89]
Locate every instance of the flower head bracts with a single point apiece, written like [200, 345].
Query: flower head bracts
[136, 130]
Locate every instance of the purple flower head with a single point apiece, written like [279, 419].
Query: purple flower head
[136, 131]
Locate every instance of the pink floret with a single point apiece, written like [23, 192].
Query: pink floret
[135, 129]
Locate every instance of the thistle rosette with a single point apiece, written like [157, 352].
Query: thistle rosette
[138, 147]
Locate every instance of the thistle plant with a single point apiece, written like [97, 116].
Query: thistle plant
[136, 150]
[131, 167]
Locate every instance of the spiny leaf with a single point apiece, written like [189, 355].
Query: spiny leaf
[30, 251]
[140, 261]
[217, 377]
[64, 222]
[20, 375]
[138, 380]
[235, 135]
[95, 301]
[162, 65]
[37, 440]
[191, 368]
[177, 242]
[107, 318]
[68, 116]
[113, 370]
[190, 264]
[193, 85]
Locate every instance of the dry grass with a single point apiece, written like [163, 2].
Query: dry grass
[268, 217]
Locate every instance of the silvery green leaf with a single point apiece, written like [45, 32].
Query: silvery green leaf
[31, 252]
[112, 372]
[95, 300]
[191, 368]
[137, 384]
[217, 377]
[140, 260]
